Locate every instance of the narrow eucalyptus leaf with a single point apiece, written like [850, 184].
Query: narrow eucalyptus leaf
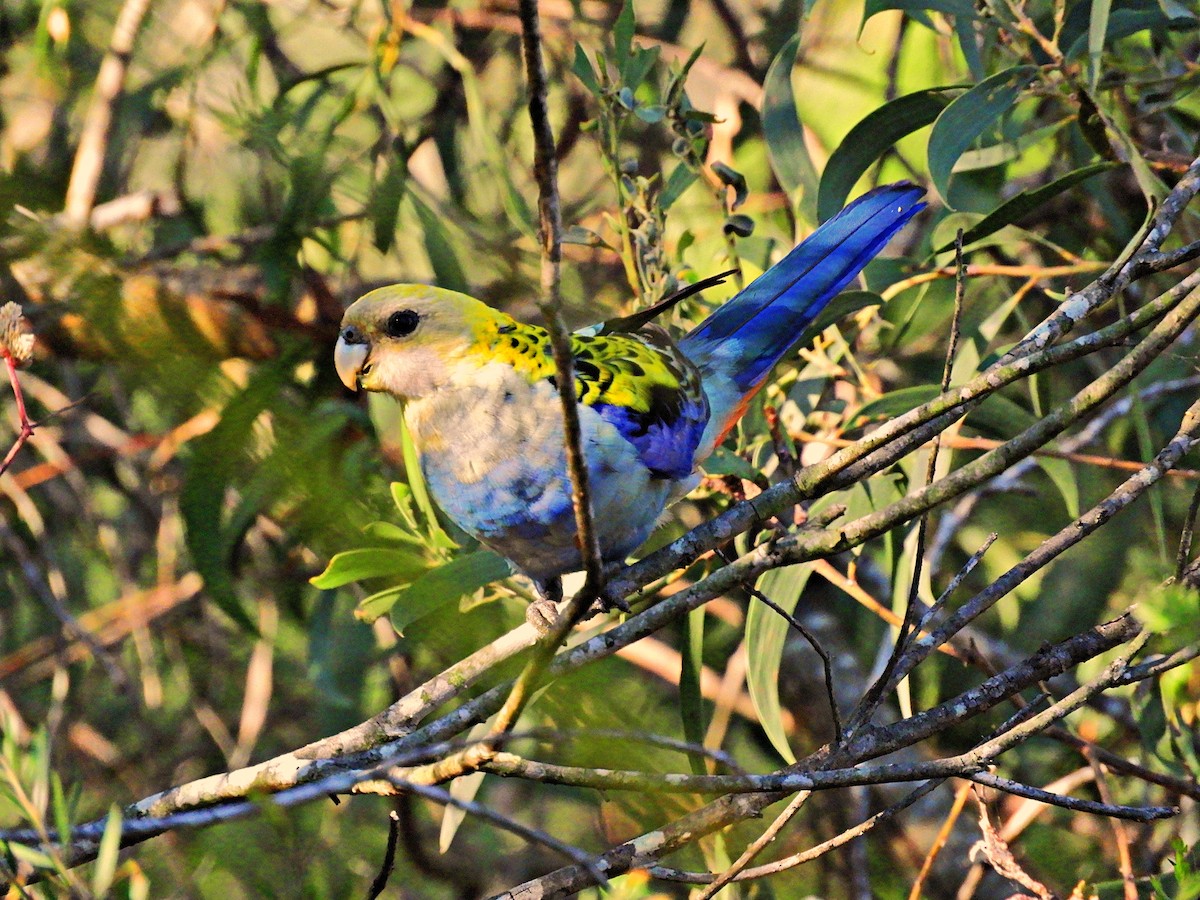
[784, 133]
[582, 67]
[1022, 204]
[969, 116]
[873, 136]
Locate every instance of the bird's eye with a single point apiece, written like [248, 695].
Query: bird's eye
[402, 323]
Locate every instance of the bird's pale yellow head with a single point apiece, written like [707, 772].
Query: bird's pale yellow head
[405, 339]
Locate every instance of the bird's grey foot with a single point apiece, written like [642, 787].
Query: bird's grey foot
[608, 602]
[542, 613]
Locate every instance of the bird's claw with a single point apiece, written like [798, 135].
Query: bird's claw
[542, 616]
[608, 602]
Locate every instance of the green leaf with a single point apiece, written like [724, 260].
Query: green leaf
[766, 633]
[623, 30]
[462, 575]
[391, 533]
[867, 141]
[463, 788]
[651, 115]
[439, 246]
[416, 483]
[691, 703]
[584, 71]
[384, 207]
[106, 857]
[1152, 187]
[640, 63]
[60, 808]
[998, 154]
[1171, 609]
[681, 178]
[35, 858]
[784, 133]
[216, 460]
[731, 177]
[1124, 18]
[963, 8]
[725, 462]
[1097, 31]
[369, 562]
[892, 404]
[1026, 202]
[1150, 716]
[964, 30]
[969, 116]
[678, 79]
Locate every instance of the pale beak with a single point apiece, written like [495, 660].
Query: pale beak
[349, 360]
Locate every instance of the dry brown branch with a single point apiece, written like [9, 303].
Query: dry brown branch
[755, 847]
[97, 126]
[998, 855]
[939, 841]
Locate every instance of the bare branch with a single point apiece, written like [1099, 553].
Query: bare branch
[797, 859]
[545, 168]
[110, 84]
[389, 857]
[755, 847]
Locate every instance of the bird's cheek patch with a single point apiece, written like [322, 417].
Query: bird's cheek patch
[410, 373]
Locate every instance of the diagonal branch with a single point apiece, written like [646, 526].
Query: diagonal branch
[110, 84]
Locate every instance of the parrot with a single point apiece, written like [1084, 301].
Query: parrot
[481, 402]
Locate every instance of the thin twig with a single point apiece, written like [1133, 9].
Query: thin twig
[999, 856]
[25, 427]
[389, 857]
[1077, 804]
[545, 167]
[943, 835]
[826, 663]
[755, 847]
[875, 693]
[1185, 538]
[1124, 858]
[797, 859]
[959, 577]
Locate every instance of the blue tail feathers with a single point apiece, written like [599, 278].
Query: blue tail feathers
[745, 337]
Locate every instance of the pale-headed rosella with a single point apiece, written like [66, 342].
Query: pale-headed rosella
[481, 403]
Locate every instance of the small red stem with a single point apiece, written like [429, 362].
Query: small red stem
[27, 426]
